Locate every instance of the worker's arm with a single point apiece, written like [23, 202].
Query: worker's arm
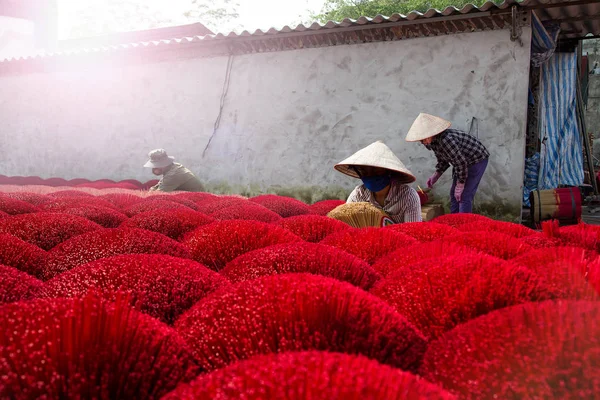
[455, 154]
[170, 183]
[357, 195]
[441, 167]
[412, 209]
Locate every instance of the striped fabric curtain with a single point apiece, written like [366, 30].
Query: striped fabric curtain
[561, 161]
[532, 169]
[543, 40]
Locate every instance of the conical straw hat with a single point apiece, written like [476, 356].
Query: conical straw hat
[426, 126]
[376, 155]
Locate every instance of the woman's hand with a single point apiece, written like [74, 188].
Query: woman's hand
[458, 191]
[433, 179]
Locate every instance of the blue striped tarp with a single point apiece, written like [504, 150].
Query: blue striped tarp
[532, 168]
[561, 159]
[543, 40]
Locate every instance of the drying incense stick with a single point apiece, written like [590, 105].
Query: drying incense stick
[360, 215]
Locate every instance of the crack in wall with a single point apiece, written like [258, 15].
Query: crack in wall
[222, 102]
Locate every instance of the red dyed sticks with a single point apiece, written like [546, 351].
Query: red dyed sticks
[13, 206]
[16, 285]
[122, 200]
[60, 203]
[108, 243]
[369, 244]
[250, 212]
[103, 216]
[302, 257]
[284, 206]
[162, 286]
[211, 205]
[297, 312]
[456, 220]
[309, 375]
[23, 256]
[543, 350]
[35, 199]
[493, 243]
[144, 206]
[174, 223]
[87, 348]
[313, 228]
[440, 293]
[173, 199]
[416, 253]
[323, 207]
[507, 228]
[424, 231]
[47, 230]
[216, 244]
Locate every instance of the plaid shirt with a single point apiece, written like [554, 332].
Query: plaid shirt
[402, 203]
[459, 149]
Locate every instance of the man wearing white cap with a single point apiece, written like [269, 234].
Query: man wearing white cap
[467, 155]
[175, 177]
[384, 185]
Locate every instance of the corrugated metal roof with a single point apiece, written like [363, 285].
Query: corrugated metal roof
[578, 18]
[179, 31]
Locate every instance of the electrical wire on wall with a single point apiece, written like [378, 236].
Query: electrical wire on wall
[224, 92]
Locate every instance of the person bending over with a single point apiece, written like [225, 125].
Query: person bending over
[384, 182]
[175, 177]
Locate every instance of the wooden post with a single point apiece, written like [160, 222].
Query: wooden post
[581, 121]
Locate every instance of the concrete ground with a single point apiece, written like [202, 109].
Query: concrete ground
[591, 215]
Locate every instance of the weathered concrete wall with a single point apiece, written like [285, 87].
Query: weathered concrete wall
[287, 116]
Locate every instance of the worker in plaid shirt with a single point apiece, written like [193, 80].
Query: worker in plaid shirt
[467, 155]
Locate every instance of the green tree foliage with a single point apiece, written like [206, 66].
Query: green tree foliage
[337, 10]
[212, 11]
[100, 17]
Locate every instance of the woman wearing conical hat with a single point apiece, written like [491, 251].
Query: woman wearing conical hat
[467, 155]
[384, 182]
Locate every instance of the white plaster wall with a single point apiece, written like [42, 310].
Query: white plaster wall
[17, 37]
[287, 116]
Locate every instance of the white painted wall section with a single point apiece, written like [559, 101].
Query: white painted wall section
[287, 116]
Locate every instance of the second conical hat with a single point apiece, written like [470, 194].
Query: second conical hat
[376, 155]
[426, 126]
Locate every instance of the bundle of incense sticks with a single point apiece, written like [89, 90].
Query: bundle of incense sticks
[360, 215]
[562, 204]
